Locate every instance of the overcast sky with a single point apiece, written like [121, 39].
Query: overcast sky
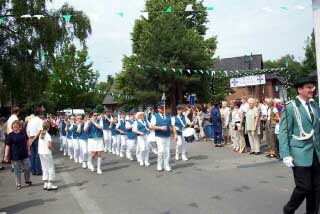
[272, 28]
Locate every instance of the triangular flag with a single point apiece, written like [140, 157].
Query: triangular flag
[81, 86]
[60, 82]
[67, 17]
[188, 71]
[55, 55]
[1, 20]
[145, 15]
[195, 71]
[42, 53]
[120, 14]
[88, 58]
[26, 16]
[207, 72]
[164, 69]
[284, 8]
[313, 6]
[180, 70]
[268, 9]
[169, 10]
[30, 51]
[210, 8]
[226, 73]
[189, 8]
[174, 70]
[213, 73]
[38, 16]
[163, 98]
[299, 7]
[201, 71]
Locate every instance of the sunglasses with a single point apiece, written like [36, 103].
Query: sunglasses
[95, 115]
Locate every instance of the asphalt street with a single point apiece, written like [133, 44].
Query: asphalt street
[213, 181]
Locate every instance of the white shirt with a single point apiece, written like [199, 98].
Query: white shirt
[10, 121]
[264, 110]
[226, 115]
[244, 107]
[304, 103]
[173, 121]
[34, 126]
[275, 111]
[43, 145]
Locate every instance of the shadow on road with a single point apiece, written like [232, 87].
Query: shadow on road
[25, 205]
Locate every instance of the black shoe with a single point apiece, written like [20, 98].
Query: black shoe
[257, 153]
[29, 183]
[2, 168]
[38, 173]
[18, 187]
[33, 173]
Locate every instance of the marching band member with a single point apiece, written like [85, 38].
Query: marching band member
[121, 128]
[179, 123]
[95, 142]
[132, 137]
[75, 141]
[140, 128]
[83, 141]
[115, 135]
[151, 136]
[107, 131]
[64, 135]
[161, 123]
[69, 137]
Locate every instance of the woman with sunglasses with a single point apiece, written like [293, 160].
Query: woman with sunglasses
[94, 128]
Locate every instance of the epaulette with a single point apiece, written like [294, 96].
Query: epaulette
[288, 102]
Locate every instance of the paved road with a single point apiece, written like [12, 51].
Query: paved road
[213, 181]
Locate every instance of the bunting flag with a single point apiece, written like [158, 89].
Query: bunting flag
[1, 20]
[169, 9]
[67, 17]
[121, 14]
[38, 16]
[26, 16]
[145, 15]
[210, 8]
[189, 8]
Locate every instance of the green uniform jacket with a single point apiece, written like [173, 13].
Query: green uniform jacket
[301, 150]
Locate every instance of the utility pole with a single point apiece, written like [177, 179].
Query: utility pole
[316, 16]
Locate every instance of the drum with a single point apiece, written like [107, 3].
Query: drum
[188, 135]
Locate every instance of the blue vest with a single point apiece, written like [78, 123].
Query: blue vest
[63, 129]
[106, 124]
[114, 132]
[162, 122]
[147, 119]
[122, 126]
[75, 134]
[179, 124]
[93, 131]
[83, 135]
[131, 135]
[141, 127]
[69, 133]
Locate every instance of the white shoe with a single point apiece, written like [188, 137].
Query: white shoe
[110, 151]
[105, 150]
[61, 149]
[121, 155]
[64, 154]
[92, 169]
[75, 160]
[113, 153]
[117, 153]
[159, 168]
[99, 171]
[146, 163]
[130, 157]
[45, 186]
[51, 187]
[141, 163]
[184, 158]
[84, 165]
[71, 157]
[155, 152]
[168, 169]
[177, 157]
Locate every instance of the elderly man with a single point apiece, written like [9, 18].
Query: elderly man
[300, 147]
[225, 116]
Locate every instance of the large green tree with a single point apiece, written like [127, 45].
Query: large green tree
[28, 46]
[172, 40]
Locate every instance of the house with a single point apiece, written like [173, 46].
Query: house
[268, 85]
[109, 101]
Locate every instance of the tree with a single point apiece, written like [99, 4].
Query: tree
[309, 63]
[28, 46]
[168, 40]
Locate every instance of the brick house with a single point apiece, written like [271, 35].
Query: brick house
[271, 88]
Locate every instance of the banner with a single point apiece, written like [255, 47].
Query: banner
[248, 81]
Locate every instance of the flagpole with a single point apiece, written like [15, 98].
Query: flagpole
[316, 16]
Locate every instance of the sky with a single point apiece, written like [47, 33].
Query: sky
[272, 28]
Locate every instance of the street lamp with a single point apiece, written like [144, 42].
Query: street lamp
[316, 16]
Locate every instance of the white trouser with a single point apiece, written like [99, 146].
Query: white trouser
[235, 137]
[130, 147]
[64, 145]
[76, 148]
[123, 141]
[61, 141]
[143, 148]
[107, 139]
[115, 143]
[152, 141]
[48, 172]
[83, 150]
[70, 147]
[163, 144]
[254, 141]
[181, 146]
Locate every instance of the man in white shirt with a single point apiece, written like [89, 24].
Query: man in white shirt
[13, 117]
[34, 128]
[243, 111]
[225, 114]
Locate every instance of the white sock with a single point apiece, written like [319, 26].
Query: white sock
[99, 163]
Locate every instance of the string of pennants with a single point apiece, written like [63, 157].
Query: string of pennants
[145, 14]
[218, 73]
[93, 90]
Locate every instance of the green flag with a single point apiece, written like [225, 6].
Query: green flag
[67, 17]
[180, 70]
[169, 10]
[164, 69]
[210, 8]
[1, 20]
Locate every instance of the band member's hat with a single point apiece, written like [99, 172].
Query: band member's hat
[140, 108]
[179, 106]
[107, 110]
[160, 105]
[304, 80]
[131, 112]
[120, 111]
